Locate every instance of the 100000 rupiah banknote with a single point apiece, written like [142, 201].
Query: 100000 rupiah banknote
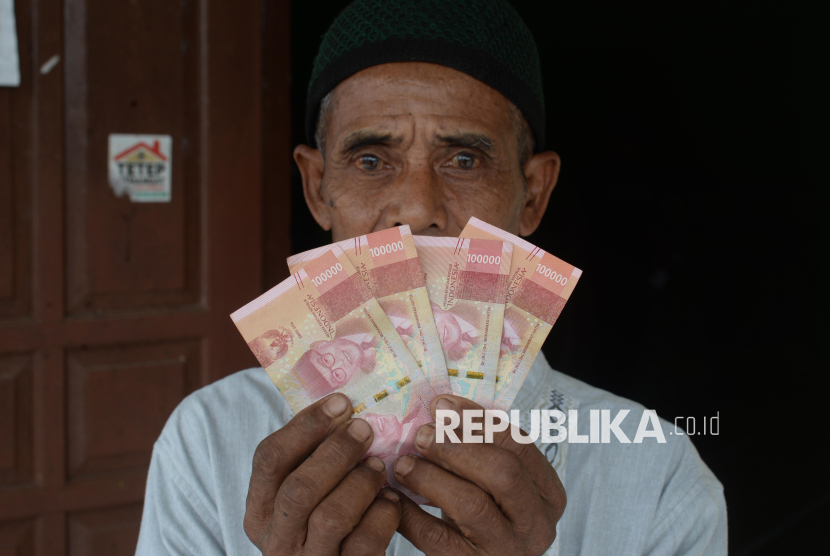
[540, 285]
[321, 331]
[387, 262]
[467, 285]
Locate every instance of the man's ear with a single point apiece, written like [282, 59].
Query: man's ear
[541, 172]
[310, 163]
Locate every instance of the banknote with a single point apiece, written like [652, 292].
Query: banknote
[539, 286]
[395, 420]
[387, 262]
[321, 331]
[467, 285]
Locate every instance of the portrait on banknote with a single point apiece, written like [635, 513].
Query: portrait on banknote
[399, 314]
[327, 364]
[394, 421]
[510, 335]
[330, 364]
[458, 330]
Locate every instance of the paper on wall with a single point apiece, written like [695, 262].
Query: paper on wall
[9, 58]
[141, 166]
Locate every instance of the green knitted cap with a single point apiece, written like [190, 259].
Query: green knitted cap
[485, 39]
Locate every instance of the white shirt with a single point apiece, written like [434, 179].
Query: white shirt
[623, 499]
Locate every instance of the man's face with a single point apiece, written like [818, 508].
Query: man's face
[337, 360]
[423, 145]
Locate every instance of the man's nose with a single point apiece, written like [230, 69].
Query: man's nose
[416, 200]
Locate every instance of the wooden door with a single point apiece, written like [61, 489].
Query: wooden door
[111, 311]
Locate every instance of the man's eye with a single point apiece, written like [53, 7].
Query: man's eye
[369, 162]
[465, 161]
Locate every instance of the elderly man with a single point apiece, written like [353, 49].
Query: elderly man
[422, 113]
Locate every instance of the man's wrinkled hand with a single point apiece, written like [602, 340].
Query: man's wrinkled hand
[499, 498]
[309, 492]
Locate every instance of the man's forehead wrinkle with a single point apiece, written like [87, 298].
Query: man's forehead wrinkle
[469, 139]
[363, 130]
[359, 137]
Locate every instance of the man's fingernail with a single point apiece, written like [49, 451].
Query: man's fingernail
[391, 495]
[404, 465]
[425, 436]
[336, 405]
[359, 430]
[444, 403]
[375, 463]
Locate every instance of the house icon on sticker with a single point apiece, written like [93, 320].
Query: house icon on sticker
[142, 164]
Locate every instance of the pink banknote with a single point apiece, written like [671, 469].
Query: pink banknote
[467, 286]
[539, 287]
[387, 262]
[321, 331]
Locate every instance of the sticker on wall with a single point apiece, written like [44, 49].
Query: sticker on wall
[140, 166]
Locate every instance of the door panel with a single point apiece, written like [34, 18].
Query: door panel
[16, 419]
[128, 76]
[120, 398]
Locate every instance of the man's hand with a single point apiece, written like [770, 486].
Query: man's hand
[500, 498]
[309, 493]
